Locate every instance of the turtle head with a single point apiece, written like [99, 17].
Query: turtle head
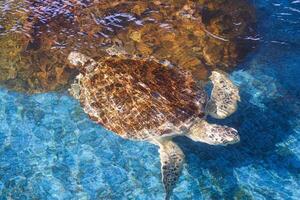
[81, 61]
[78, 59]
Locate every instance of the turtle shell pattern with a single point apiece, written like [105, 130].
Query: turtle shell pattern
[140, 98]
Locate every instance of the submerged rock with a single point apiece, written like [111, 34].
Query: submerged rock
[36, 36]
[32, 51]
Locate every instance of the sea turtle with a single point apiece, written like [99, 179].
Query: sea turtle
[142, 99]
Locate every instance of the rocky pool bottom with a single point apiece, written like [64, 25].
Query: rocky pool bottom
[37, 36]
[49, 149]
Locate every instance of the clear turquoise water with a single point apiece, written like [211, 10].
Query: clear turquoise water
[49, 149]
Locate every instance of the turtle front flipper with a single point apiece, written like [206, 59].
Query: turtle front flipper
[171, 158]
[224, 96]
[213, 134]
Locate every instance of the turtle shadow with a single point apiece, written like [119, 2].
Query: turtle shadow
[261, 131]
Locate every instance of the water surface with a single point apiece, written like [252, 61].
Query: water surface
[49, 149]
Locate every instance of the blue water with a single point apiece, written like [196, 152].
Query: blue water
[49, 149]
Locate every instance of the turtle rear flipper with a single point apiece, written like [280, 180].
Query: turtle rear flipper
[171, 158]
[213, 134]
[224, 96]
